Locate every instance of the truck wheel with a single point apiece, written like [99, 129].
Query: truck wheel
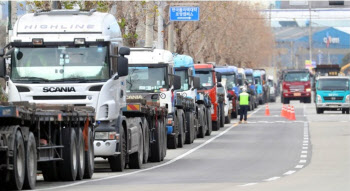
[18, 173]
[89, 157]
[216, 124]
[228, 119]
[31, 163]
[203, 127]
[164, 139]
[136, 159]
[319, 110]
[347, 111]
[81, 155]
[68, 168]
[182, 124]
[146, 142]
[222, 115]
[50, 169]
[209, 122]
[189, 128]
[285, 101]
[307, 100]
[117, 163]
[156, 150]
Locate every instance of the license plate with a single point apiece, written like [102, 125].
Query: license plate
[297, 94]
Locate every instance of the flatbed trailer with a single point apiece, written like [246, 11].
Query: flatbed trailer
[55, 139]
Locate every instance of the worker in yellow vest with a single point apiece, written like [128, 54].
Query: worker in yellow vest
[244, 100]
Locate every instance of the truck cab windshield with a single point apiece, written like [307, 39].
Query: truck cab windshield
[60, 63]
[257, 80]
[297, 77]
[184, 79]
[146, 79]
[230, 81]
[206, 79]
[333, 84]
[240, 80]
[250, 79]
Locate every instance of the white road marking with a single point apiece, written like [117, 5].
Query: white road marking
[302, 161]
[303, 156]
[249, 184]
[299, 166]
[273, 178]
[304, 152]
[305, 144]
[289, 172]
[154, 167]
[305, 148]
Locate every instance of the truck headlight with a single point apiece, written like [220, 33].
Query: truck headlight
[106, 136]
[319, 99]
[347, 99]
[308, 89]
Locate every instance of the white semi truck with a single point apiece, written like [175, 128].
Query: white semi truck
[74, 58]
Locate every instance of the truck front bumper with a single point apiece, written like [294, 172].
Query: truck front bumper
[296, 95]
[104, 148]
[333, 105]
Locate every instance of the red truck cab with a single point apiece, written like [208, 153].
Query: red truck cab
[296, 85]
[208, 85]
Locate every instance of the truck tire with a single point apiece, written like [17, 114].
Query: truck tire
[81, 155]
[89, 157]
[228, 119]
[117, 163]
[146, 142]
[209, 122]
[189, 127]
[68, 168]
[216, 124]
[31, 163]
[136, 159]
[156, 146]
[182, 134]
[164, 139]
[50, 169]
[222, 115]
[202, 128]
[319, 110]
[18, 173]
[285, 101]
[307, 100]
[347, 111]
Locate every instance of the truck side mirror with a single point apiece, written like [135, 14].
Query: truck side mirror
[2, 67]
[218, 76]
[124, 51]
[2, 52]
[122, 66]
[196, 82]
[177, 82]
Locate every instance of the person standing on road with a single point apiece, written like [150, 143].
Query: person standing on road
[244, 100]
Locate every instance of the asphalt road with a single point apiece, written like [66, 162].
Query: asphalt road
[268, 153]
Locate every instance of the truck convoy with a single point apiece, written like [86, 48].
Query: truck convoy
[184, 67]
[333, 93]
[208, 85]
[296, 85]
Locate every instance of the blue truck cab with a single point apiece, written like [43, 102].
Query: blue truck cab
[333, 94]
[258, 85]
[251, 83]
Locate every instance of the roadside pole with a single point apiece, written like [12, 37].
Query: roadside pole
[149, 26]
[161, 25]
[171, 37]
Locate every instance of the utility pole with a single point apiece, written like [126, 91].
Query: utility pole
[12, 17]
[171, 37]
[54, 5]
[149, 25]
[310, 34]
[161, 25]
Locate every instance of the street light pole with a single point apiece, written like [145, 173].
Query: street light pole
[310, 34]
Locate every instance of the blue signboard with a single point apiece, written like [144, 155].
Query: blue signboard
[184, 13]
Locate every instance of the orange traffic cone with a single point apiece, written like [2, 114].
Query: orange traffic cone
[267, 110]
[292, 114]
[288, 112]
[283, 112]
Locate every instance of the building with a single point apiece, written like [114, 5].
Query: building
[313, 4]
[329, 45]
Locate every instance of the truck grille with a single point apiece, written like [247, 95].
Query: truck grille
[296, 88]
[333, 98]
[58, 97]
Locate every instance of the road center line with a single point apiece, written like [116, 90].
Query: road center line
[154, 167]
[273, 178]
